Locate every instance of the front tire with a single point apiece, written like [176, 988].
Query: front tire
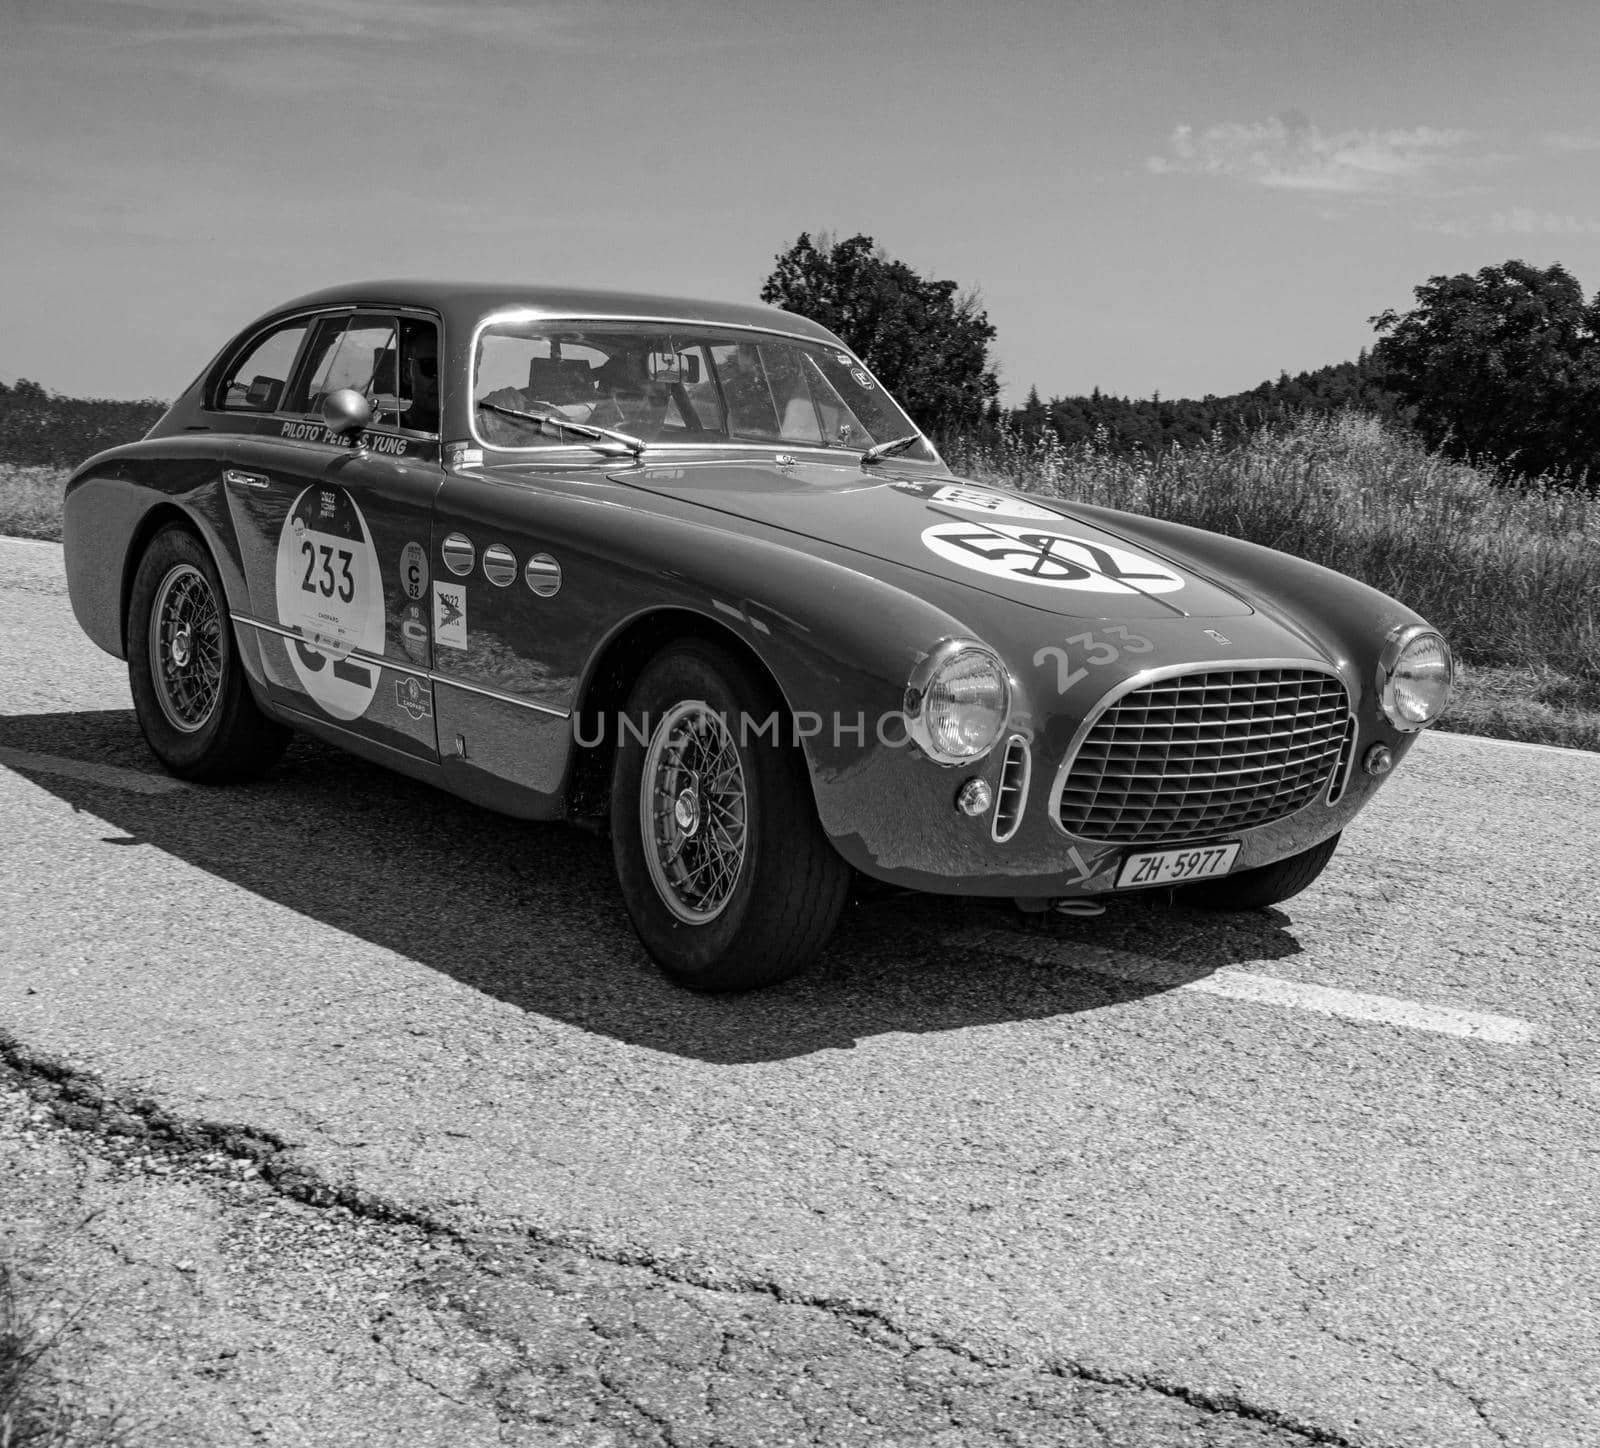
[726, 873]
[189, 691]
[1263, 886]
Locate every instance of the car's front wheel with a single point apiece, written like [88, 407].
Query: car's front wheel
[1263, 886]
[725, 871]
[189, 691]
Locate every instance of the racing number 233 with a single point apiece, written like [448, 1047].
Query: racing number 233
[324, 581]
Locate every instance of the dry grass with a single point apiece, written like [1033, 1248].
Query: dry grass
[36, 1408]
[1511, 576]
[30, 501]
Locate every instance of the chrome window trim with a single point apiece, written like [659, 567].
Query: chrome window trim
[1172, 671]
[534, 314]
[428, 674]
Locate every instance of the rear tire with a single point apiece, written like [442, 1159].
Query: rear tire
[189, 690]
[1263, 886]
[726, 873]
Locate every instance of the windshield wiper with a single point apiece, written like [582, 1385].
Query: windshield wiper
[889, 449]
[596, 437]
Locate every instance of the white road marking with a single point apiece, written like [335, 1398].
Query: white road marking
[35, 542]
[27, 762]
[1241, 985]
[1244, 985]
[1567, 751]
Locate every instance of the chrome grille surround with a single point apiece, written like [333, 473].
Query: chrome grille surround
[1016, 771]
[1201, 750]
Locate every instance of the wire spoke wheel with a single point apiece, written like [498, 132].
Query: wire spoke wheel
[693, 812]
[186, 649]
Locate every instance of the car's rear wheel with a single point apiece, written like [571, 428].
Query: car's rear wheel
[189, 691]
[1263, 886]
[725, 871]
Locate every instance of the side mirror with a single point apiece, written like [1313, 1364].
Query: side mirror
[347, 413]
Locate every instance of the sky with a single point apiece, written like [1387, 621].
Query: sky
[1152, 196]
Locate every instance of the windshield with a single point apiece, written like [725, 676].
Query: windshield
[665, 384]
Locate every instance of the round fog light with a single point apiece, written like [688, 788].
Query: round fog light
[974, 797]
[1379, 759]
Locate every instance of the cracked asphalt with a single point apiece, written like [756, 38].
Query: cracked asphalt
[962, 1183]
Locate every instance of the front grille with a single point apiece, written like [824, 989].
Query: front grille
[1206, 753]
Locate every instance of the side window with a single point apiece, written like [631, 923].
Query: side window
[256, 381]
[351, 351]
[415, 403]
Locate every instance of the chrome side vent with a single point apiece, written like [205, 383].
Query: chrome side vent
[1347, 757]
[1012, 797]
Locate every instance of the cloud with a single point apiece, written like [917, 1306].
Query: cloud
[1565, 143]
[1290, 153]
[1520, 221]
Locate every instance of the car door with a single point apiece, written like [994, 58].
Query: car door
[334, 536]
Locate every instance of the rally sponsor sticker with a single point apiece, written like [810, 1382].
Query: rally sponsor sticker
[1048, 558]
[974, 500]
[450, 615]
[414, 634]
[415, 697]
[414, 570]
[330, 593]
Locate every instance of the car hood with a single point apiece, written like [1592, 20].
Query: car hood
[1030, 551]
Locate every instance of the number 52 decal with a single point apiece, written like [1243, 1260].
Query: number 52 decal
[1096, 653]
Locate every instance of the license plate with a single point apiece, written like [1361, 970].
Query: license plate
[1173, 867]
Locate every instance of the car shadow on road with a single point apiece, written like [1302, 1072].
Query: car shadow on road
[530, 913]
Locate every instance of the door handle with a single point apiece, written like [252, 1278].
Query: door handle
[241, 479]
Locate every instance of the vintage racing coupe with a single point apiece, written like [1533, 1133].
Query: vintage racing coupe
[686, 567]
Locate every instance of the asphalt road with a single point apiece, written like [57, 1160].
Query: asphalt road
[1334, 1163]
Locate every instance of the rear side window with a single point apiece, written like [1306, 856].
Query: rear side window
[255, 383]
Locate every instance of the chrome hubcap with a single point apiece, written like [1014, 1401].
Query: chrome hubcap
[693, 812]
[186, 649]
[686, 812]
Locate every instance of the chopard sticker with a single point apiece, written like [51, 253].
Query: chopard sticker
[330, 592]
[450, 615]
[463, 455]
[414, 697]
[1047, 558]
[975, 500]
[842, 358]
[414, 570]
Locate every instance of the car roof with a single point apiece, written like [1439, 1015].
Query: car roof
[470, 301]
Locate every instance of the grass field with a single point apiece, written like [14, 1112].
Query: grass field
[1512, 576]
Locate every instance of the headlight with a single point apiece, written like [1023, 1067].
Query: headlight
[1415, 677]
[957, 701]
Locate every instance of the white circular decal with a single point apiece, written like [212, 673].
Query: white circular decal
[331, 593]
[975, 500]
[414, 570]
[1050, 559]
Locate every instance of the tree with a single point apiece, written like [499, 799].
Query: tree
[1503, 365]
[926, 341]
